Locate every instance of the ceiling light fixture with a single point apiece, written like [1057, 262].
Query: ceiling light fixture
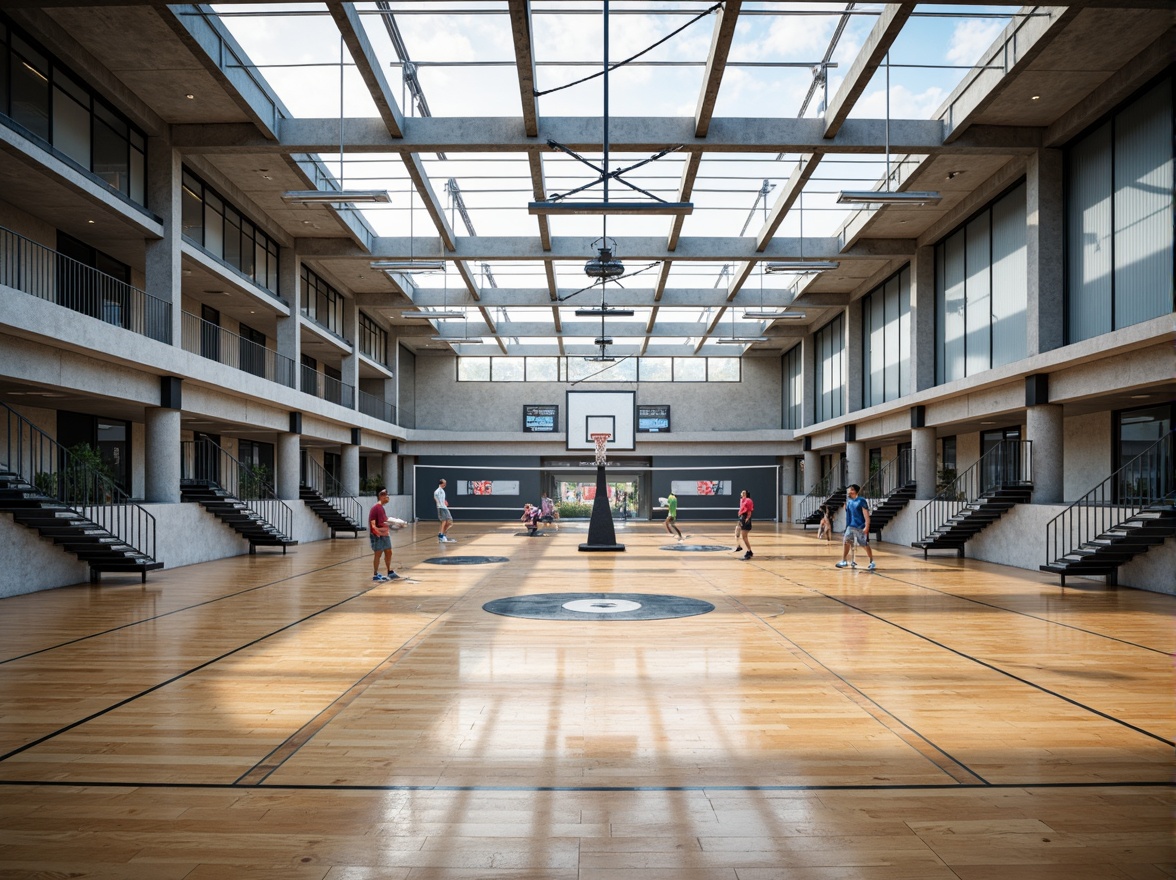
[408, 266]
[773, 316]
[885, 196]
[342, 197]
[427, 315]
[740, 340]
[603, 310]
[458, 340]
[549, 208]
[601, 359]
[779, 266]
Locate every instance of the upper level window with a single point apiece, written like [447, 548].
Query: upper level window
[48, 102]
[981, 291]
[215, 225]
[373, 339]
[572, 369]
[321, 302]
[829, 372]
[886, 340]
[793, 388]
[1119, 218]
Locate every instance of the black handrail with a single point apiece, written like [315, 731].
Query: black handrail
[376, 407]
[1008, 463]
[888, 479]
[217, 344]
[1146, 481]
[331, 491]
[203, 461]
[55, 472]
[821, 492]
[46, 274]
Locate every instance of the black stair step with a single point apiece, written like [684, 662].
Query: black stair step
[146, 564]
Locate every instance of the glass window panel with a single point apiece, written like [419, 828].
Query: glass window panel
[875, 315]
[4, 62]
[1143, 208]
[138, 176]
[507, 369]
[192, 210]
[904, 332]
[71, 128]
[232, 238]
[30, 89]
[214, 228]
[111, 157]
[689, 370]
[656, 369]
[1009, 279]
[953, 307]
[890, 308]
[542, 369]
[722, 369]
[1089, 236]
[473, 369]
[978, 295]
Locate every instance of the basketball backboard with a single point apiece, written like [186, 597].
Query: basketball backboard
[611, 412]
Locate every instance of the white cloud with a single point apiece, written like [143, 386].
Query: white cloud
[970, 38]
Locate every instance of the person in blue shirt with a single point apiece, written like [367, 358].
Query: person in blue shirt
[857, 527]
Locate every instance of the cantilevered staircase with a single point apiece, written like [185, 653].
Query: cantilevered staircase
[827, 495]
[325, 496]
[48, 488]
[235, 493]
[890, 489]
[1001, 479]
[1130, 511]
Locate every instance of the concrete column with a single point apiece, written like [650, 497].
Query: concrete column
[854, 357]
[812, 471]
[808, 376]
[923, 319]
[349, 467]
[1044, 241]
[1044, 426]
[350, 366]
[923, 447]
[161, 474]
[856, 463]
[163, 269]
[788, 475]
[288, 460]
[289, 335]
[391, 472]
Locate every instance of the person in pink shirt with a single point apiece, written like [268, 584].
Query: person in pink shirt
[743, 530]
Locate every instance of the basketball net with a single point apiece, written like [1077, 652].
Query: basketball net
[601, 441]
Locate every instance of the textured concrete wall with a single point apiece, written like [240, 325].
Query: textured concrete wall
[30, 563]
[444, 404]
[1088, 453]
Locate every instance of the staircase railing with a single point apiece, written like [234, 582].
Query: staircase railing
[331, 491]
[1008, 463]
[892, 476]
[46, 274]
[820, 493]
[203, 461]
[56, 472]
[1147, 480]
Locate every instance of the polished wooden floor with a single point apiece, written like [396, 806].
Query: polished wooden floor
[284, 717]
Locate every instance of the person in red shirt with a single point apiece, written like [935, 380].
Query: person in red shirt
[743, 530]
[380, 536]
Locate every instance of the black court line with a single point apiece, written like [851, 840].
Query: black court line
[987, 665]
[232, 786]
[176, 678]
[233, 595]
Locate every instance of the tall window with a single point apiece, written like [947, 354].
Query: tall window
[373, 339]
[793, 404]
[45, 100]
[215, 225]
[829, 372]
[981, 291]
[1119, 218]
[321, 302]
[886, 340]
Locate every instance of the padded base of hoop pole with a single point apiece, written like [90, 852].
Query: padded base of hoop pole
[601, 535]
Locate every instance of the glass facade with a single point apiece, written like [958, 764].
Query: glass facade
[373, 340]
[1119, 216]
[572, 369]
[793, 402]
[46, 101]
[886, 340]
[829, 372]
[215, 225]
[981, 291]
[321, 302]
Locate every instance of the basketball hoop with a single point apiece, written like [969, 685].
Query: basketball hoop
[601, 441]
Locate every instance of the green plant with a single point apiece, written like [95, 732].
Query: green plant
[45, 483]
[574, 509]
[252, 481]
[85, 477]
[371, 484]
[944, 478]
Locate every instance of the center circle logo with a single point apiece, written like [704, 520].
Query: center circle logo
[601, 606]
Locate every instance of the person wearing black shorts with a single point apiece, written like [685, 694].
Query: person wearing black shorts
[743, 530]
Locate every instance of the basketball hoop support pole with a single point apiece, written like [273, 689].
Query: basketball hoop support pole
[602, 537]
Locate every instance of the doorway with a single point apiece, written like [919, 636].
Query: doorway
[576, 493]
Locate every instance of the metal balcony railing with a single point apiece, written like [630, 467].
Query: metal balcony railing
[203, 461]
[1147, 480]
[1008, 464]
[331, 491]
[61, 474]
[327, 388]
[892, 476]
[217, 344]
[377, 407]
[46, 274]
